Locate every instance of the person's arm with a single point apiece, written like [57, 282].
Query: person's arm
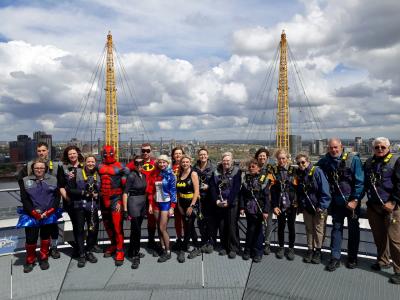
[324, 194]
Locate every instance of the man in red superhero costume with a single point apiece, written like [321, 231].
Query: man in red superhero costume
[148, 168]
[113, 178]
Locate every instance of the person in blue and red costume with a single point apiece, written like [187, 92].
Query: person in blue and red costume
[162, 201]
[40, 199]
[147, 168]
[113, 176]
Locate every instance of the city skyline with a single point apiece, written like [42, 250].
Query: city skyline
[196, 68]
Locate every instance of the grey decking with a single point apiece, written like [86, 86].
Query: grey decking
[224, 279]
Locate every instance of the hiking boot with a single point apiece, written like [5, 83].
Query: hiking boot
[290, 254]
[181, 257]
[207, 248]
[81, 262]
[135, 262]
[232, 254]
[44, 264]
[280, 253]
[333, 265]
[194, 253]
[257, 259]
[222, 252]
[395, 278]
[316, 258]
[267, 249]
[28, 268]
[54, 253]
[164, 257]
[308, 256]
[91, 258]
[351, 264]
[246, 256]
[377, 266]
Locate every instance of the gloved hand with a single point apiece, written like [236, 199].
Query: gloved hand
[36, 214]
[48, 212]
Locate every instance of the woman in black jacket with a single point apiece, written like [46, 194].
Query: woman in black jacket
[134, 202]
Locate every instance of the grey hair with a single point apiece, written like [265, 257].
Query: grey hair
[335, 139]
[227, 154]
[381, 140]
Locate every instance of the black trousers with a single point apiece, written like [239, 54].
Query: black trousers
[254, 235]
[79, 218]
[225, 220]
[32, 233]
[188, 223]
[289, 217]
[204, 225]
[136, 234]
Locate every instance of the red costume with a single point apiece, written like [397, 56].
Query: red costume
[113, 178]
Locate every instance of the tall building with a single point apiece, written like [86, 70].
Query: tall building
[41, 136]
[358, 144]
[320, 146]
[295, 145]
[23, 149]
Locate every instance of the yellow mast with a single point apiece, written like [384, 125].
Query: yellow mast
[282, 118]
[111, 133]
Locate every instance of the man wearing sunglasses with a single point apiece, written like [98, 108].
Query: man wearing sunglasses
[314, 199]
[147, 168]
[346, 180]
[382, 184]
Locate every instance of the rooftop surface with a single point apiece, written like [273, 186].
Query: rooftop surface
[224, 278]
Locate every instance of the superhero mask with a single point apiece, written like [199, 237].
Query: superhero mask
[108, 154]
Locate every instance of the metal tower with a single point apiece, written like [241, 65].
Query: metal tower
[282, 118]
[112, 132]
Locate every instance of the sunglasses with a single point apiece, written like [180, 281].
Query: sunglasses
[380, 147]
[138, 163]
[303, 162]
[146, 150]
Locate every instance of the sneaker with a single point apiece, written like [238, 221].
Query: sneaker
[257, 259]
[181, 257]
[395, 278]
[81, 262]
[44, 264]
[267, 249]
[351, 264]
[207, 248]
[246, 256]
[164, 257]
[91, 258]
[28, 268]
[377, 266]
[54, 253]
[194, 253]
[308, 257]
[232, 254]
[222, 252]
[135, 262]
[280, 253]
[290, 254]
[316, 258]
[157, 251]
[333, 265]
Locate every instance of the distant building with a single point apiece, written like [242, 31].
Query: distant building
[41, 136]
[23, 149]
[358, 144]
[295, 145]
[320, 147]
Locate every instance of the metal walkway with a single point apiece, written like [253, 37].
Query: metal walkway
[224, 279]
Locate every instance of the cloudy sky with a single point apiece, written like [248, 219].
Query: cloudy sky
[199, 69]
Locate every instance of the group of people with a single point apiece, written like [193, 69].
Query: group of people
[214, 197]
